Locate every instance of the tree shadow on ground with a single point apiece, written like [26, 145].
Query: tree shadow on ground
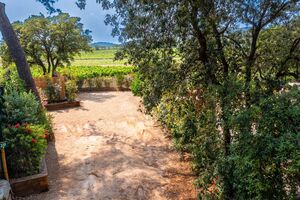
[103, 175]
[111, 174]
[96, 96]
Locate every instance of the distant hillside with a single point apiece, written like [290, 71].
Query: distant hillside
[104, 44]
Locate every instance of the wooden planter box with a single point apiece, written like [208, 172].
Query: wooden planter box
[62, 105]
[31, 184]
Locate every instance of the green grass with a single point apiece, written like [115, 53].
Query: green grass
[98, 62]
[90, 65]
[103, 57]
[98, 54]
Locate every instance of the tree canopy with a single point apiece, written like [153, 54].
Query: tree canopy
[213, 71]
[50, 42]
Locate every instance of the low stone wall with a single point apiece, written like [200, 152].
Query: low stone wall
[105, 84]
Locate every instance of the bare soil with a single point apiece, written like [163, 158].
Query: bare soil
[107, 149]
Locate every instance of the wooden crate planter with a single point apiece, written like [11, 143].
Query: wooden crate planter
[31, 184]
[62, 105]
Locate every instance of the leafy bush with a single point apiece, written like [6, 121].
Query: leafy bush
[120, 79]
[53, 91]
[45, 120]
[25, 124]
[2, 72]
[71, 90]
[20, 106]
[267, 158]
[26, 145]
[136, 85]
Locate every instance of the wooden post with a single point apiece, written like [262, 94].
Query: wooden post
[4, 164]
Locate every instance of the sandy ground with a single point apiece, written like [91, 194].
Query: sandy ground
[109, 150]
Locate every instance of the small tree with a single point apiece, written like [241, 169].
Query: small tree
[50, 42]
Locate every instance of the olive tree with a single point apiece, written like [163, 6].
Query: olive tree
[50, 42]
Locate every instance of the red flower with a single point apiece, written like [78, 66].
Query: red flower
[33, 141]
[28, 131]
[17, 125]
[46, 131]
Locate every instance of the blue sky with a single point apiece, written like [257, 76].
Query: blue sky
[92, 17]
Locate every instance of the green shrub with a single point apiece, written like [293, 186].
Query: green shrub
[2, 72]
[136, 85]
[267, 159]
[45, 120]
[20, 106]
[53, 91]
[120, 79]
[26, 145]
[71, 90]
[25, 124]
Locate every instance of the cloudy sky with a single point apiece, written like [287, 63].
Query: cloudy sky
[92, 17]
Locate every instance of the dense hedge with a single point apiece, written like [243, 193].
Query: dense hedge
[264, 160]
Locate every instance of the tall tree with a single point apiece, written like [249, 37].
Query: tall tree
[50, 42]
[204, 68]
[16, 51]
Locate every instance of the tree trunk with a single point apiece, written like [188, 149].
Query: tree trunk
[16, 52]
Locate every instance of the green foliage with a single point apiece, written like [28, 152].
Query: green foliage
[20, 106]
[103, 57]
[71, 90]
[221, 99]
[227, 64]
[81, 73]
[50, 42]
[53, 91]
[120, 79]
[44, 119]
[267, 158]
[24, 128]
[103, 54]
[136, 85]
[2, 72]
[26, 145]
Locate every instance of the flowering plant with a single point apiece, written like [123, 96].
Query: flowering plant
[26, 145]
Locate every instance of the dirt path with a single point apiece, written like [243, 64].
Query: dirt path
[109, 150]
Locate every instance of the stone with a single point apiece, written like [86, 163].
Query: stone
[5, 190]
